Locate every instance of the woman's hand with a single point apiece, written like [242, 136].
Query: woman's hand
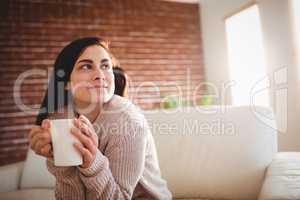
[40, 139]
[86, 134]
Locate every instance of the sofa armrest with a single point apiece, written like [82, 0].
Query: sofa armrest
[10, 176]
[282, 180]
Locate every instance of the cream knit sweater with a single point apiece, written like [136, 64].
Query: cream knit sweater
[126, 164]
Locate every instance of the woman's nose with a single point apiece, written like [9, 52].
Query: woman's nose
[99, 75]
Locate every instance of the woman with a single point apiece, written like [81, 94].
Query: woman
[121, 83]
[119, 156]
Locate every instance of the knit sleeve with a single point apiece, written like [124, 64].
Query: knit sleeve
[116, 174]
[68, 185]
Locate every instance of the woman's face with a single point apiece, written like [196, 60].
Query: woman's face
[92, 79]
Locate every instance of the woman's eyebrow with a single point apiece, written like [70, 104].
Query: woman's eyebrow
[85, 60]
[90, 61]
[104, 60]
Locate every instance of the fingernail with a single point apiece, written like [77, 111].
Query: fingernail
[43, 124]
[72, 130]
[76, 144]
[76, 122]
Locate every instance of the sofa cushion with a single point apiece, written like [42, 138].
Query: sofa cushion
[10, 176]
[35, 173]
[214, 152]
[283, 177]
[29, 194]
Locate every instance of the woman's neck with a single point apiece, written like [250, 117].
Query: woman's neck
[91, 111]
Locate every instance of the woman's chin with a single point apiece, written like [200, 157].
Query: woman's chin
[102, 98]
[98, 97]
[107, 97]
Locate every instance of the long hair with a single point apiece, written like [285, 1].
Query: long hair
[120, 80]
[56, 96]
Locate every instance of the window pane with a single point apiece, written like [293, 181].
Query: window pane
[247, 58]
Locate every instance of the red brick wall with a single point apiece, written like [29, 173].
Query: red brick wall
[155, 41]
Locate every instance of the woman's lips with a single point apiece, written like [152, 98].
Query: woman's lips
[98, 87]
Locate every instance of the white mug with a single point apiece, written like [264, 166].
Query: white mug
[63, 141]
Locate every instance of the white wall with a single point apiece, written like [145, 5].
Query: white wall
[214, 40]
[277, 33]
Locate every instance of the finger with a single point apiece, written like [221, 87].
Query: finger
[80, 136]
[37, 138]
[86, 154]
[40, 144]
[85, 120]
[89, 132]
[40, 135]
[90, 129]
[46, 124]
[86, 141]
[34, 130]
[85, 129]
[77, 123]
[82, 126]
[47, 150]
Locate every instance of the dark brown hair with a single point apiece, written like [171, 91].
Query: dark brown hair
[120, 81]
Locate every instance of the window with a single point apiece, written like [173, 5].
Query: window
[246, 55]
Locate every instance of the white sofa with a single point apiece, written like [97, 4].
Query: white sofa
[204, 153]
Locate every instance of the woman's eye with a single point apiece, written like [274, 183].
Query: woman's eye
[106, 66]
[86, 67]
